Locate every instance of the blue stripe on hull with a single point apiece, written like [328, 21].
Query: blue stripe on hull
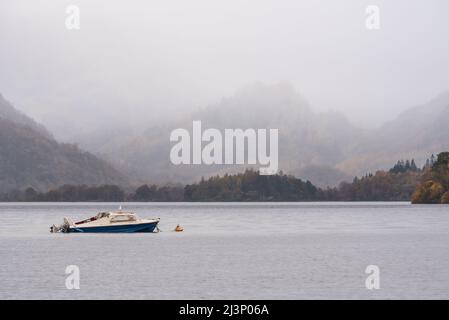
[143, 227]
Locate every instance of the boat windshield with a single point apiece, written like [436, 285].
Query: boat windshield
[123, 217]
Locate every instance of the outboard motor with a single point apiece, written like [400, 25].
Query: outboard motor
[65, 227]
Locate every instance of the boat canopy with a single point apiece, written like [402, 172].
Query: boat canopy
[122, 216]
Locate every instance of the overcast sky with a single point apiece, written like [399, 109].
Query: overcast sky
[175, 56]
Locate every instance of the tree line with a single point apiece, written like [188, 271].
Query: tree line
[404, 180]
[103, 193]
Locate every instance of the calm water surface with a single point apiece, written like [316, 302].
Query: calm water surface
[230, 251]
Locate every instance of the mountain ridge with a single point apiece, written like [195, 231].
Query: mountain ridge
[305, 137]
[325, 148]
[31, 157]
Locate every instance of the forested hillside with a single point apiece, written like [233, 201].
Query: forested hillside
[434, 187]
[31, 157]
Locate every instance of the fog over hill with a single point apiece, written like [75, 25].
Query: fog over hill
[416, 133]
[8, 112]
[127, 75]
[31, 157]
[306, 138]
[155, 60]
[324, 148]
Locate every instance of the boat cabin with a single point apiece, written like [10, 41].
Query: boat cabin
[112, 216]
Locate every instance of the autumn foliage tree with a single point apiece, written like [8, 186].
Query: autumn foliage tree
[434, 187]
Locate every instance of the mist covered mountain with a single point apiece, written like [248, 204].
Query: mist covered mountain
[8, 112]
[306, 139]
[416, 133]
[31, 157]
[324, 148]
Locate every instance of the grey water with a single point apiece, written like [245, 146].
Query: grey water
[230, 251]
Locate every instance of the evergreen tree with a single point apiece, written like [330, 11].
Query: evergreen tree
[413, 166]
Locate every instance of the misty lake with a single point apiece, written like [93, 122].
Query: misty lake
[230, 251]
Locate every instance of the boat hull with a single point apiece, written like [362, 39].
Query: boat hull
[123, 228]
